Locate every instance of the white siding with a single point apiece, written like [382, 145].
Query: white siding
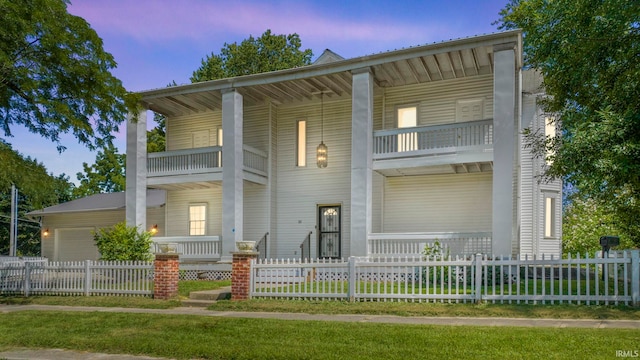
[434, 203]
[255, 129]
[532, 192]
[527, 184]
[180, 130]
[178, 210]
[437, 101]
[301, 189]
[256, 203]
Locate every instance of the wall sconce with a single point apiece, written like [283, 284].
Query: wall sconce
[154, 229]
[321, 151]
[45, 233]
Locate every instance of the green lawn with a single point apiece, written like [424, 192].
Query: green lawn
[186, 337]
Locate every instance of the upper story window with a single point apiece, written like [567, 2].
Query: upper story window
[197, 219]
[549, 132]
[301, 143]
[407, 118]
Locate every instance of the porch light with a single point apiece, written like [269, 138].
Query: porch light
[154, 229]
[321, 154]
[45, 233]
[321, 151]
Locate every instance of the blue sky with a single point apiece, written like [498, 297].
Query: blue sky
[156, 42]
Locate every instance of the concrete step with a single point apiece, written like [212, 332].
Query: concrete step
[211, 295]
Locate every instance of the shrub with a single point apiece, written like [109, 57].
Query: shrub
[122, 242]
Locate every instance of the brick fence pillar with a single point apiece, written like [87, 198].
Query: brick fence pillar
[166, 276]
[241, 274]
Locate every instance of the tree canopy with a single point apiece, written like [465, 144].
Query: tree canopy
[55, 76]
[36, 190]
[106, 175]
[589, 54]
[269, 52]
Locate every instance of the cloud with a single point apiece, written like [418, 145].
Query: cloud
[199, 20]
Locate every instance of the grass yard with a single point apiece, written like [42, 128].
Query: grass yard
[186, 337]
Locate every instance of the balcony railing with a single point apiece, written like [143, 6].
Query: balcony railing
[201, 160]
[413, 244]
[433, 140]
[191, 247]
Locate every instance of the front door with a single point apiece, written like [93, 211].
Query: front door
[329, 231]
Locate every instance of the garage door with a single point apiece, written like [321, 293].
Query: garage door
[75, 244]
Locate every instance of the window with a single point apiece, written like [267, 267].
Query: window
[549, 216]
[197, 219]
[550, 132]
[301, 143]
[407, 118]
[219, 136]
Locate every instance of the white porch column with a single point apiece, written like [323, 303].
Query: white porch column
[361, 160]
[136, 171]
[504, 148]
[232, 172]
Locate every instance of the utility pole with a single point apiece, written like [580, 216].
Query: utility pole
[13, 228]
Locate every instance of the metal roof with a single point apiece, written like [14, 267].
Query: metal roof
[420, 64]
[100, 202]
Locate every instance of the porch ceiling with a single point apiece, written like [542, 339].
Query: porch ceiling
[422, 64]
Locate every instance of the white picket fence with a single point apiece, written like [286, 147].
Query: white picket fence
[576, 280]
[131, 278]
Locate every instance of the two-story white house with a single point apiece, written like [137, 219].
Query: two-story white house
[422, 144]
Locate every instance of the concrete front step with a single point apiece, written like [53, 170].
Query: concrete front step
[207, 297]
[218, 294]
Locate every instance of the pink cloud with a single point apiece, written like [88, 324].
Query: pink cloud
[198, 20]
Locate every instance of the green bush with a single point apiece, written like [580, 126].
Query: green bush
[122, 242]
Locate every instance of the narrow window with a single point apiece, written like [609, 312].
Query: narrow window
[197, 219]
[550, 132]
[219, 140]
[407, 118]
[549, 217]
[301, 143]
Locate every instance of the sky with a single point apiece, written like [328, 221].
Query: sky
[156, 42]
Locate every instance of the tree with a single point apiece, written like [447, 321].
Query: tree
[269, 52]
[583, 224]
[106, 175]
[36, 189]
[589, 54]
[55, 76]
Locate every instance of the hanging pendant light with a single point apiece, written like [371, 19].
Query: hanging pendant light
[321, 151]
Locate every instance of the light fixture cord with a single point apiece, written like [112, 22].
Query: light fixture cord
[322, 117]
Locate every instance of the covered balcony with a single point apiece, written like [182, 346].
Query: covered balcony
[455, 147]
[200, 167]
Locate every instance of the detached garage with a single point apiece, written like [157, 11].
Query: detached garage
[67, 229]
